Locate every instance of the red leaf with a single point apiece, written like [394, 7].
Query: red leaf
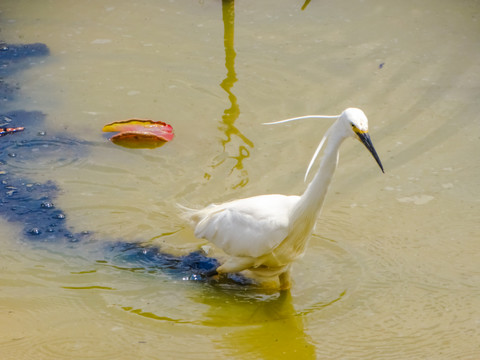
[140, 133]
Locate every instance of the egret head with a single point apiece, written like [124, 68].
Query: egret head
[357, 122]
[352, 122]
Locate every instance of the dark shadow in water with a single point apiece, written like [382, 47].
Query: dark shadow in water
[13, 57]
[23, 200]
[232, 113]
[148, 259]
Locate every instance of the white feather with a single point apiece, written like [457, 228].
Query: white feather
[302, 118]
[319, 147]
[321, 142]
[247, 227]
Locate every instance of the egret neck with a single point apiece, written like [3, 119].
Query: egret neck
[311, 201]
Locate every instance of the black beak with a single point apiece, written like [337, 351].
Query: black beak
[365, 139]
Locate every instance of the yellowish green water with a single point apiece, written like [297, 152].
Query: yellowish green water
[393, 268]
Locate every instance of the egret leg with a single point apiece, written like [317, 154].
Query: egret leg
[235, 264]
[285, 280]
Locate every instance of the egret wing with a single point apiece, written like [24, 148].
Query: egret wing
[247, 227]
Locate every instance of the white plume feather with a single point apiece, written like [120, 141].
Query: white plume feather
[302, 118]
[321, 142]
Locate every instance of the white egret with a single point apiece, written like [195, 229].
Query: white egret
[266, 233]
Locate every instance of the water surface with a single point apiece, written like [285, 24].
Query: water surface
[392, 268]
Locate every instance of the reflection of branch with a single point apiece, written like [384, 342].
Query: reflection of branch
[305, 4]
[231, 114]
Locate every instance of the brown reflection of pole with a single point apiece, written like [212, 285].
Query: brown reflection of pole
[231, 114]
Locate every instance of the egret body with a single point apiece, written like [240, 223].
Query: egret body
[266, 233]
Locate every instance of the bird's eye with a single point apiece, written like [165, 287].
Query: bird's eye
[356, 130]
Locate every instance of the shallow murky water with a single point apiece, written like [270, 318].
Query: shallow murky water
[392, 270]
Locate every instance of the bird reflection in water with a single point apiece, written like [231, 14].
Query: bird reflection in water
[261, 326]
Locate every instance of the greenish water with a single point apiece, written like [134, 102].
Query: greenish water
[392, 270]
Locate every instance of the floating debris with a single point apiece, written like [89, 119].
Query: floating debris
[6, 131]
[140, 133]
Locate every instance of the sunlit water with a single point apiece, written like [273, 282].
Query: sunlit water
[392, 270]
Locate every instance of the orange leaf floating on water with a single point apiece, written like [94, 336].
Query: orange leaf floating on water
[140, 133]
[159, 128]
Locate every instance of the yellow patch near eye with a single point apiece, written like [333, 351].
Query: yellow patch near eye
[358, 131]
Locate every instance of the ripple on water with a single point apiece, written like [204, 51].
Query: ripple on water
[83, 341]
[45, 321]
[42, 154]
[64, 338]
[401, 309]
[328, 274]
[404, 322]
